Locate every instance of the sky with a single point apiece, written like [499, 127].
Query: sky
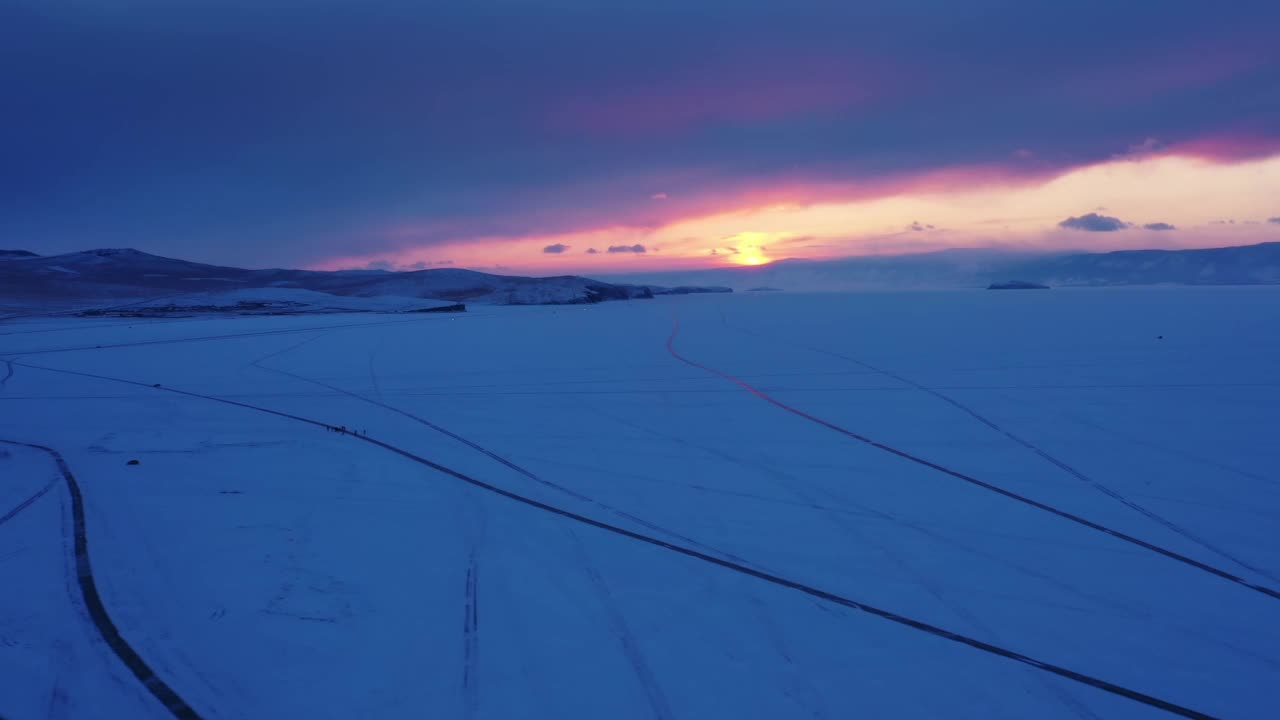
[594, 137]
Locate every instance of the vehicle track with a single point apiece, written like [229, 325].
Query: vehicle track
[1122, 610]
[93, 600]
[1175, 452]
[739, 568]
[637, 392]
[28, 502]
[635, 658]
[373, 374]
[797, 685]
[640, 668]
[207, 338]
[1039, 451]
[77, 327]
[471, 640]
[1045, 507]
[792, 486]
[491, 455]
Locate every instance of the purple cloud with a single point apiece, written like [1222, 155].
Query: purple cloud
[555, 249]
[637, 248]
[1159, 226]
[1146, 148]
[392, 266]
[592, 251]
[1093, 222]
[1274, 220]
[583, 126]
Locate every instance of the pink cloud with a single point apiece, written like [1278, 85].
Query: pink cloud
[605, 214]
[1232, 146]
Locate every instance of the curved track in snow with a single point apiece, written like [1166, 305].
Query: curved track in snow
[204, 338]
[1039, 451]
[93, 600]
[1069, 516]
[640, 666]
[492, 456]
[739, 568]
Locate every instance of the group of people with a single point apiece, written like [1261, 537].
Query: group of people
[343, 429]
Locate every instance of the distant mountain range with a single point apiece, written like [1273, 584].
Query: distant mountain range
[1244, 265]
[121, 274]
[118, 275]
[977, 268]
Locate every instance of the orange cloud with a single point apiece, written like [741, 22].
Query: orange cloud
[993, 206]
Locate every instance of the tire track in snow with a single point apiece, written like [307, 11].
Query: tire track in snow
[1045, 507]
[1052, 460]
[640, 667]
[635, 658]
[473, 521]
[798, 686]
[209, 338]
[741, 569]
[936, 591]
[622, 631]
[491, 455]
[1135, 440]
[63, 663]
[93, 600]
[471, 640]
[28, 502]
[793, 486]
[373, 375]
[1041, 452]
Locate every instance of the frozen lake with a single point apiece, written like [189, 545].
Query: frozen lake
[1085, 479]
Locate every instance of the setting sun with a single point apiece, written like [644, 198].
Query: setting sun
[746, 248]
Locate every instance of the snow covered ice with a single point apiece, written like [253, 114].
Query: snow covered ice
[264, 566]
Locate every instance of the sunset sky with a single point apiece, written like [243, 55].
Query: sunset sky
[587, 136]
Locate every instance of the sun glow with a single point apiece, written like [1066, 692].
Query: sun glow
[1212, 204]
[746, 248]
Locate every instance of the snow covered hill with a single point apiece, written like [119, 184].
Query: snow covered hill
[960, 268]
[119, 274]
[1247, 265]
[478, 287]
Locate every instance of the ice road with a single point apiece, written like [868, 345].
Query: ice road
[956, 504]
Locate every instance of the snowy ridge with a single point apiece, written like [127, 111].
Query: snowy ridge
[948, 269]
[119, 274]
